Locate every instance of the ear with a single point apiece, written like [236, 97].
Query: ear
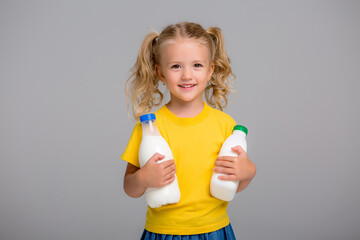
[159, 73]
[211, 71]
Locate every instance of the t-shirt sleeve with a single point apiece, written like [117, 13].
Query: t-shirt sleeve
[230, 126]
[131, 153]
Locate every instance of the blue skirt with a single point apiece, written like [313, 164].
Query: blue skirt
[225, 233]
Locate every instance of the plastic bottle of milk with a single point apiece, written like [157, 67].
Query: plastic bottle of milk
[152, 142]
[221, 189]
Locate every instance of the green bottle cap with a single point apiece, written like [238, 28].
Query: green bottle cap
[241, 128]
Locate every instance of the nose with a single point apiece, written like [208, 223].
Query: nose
[186, 74]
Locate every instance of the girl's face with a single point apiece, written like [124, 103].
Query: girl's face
[185, 67]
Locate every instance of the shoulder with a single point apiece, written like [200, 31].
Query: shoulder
[137, 127]
[136, 132]
[221, 121]
[222, 116]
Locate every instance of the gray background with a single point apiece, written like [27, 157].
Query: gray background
[64, 124]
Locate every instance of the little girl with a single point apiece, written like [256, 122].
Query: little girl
[190, 61]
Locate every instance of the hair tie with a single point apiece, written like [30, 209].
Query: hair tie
[157, 37]
[155, 40]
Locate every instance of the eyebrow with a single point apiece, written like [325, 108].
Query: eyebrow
[195, 61]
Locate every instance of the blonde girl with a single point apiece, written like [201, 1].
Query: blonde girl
[191, 62]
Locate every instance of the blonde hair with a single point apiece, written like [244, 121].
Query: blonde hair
[141, 88]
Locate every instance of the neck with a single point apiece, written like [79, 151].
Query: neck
[185, 110]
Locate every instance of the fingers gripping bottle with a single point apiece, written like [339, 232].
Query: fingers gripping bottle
[221, 189]
[152, 142]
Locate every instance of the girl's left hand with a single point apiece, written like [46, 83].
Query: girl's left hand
[236, 168]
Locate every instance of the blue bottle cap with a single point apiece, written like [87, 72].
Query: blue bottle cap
[147, 117]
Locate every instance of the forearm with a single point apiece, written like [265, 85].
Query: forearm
[134, 184]
[244, 183]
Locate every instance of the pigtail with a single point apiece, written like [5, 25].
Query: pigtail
[141, 88]
[219, 85]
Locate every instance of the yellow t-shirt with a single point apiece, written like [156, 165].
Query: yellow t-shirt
[195, 144]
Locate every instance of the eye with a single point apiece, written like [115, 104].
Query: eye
[197, 65]
[176, 66]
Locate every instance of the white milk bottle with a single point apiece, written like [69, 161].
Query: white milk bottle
[152, 142]
[221, 189]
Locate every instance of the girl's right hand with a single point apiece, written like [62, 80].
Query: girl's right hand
[156, 174]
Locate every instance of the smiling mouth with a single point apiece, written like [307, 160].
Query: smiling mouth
[187, 86]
